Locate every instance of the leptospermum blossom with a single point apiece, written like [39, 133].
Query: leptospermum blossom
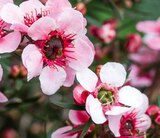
[3, 98]
[22, 17]
[9, 39]
[106, 94]
[77, 119]
[59, 49]
[152, 34]
[133, 123]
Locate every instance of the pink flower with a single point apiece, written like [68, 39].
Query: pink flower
[22, 17]
[152, 110]
[9, 39]
[133, 43]
[138, 78]
[133, 123]
[59, 49]
[107, 96]
[106, 32]
[77, 119]
[152, 30]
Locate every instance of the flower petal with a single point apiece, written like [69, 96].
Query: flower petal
[82, 54]
[72, 21]
[3, 98]
[58, 6]
[59, 133]
[10, 42]
[143, 123]
[41, 28]
[32, 7]
[113, 73]
[114, 124]
[95, 110]
[3, 2]
[148, 26]
[78, 117]
[87, 79]
[11, 13]
[130, 96]
[32, 60]
[117, 110]
[70, 77]
[1, 72]
[152, 41]
[51, 79]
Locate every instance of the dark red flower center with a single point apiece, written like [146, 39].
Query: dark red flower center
[56, 48]
[3, 31]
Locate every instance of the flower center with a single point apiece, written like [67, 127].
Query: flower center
[53, 48]
[3, 31]
[129, 125]
[30, 18]
[56, 48]
[106, 96]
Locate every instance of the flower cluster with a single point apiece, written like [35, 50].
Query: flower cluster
[108, 99]
[52, 44]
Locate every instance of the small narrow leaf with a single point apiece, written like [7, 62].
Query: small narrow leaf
[68, 105]
[86, 127]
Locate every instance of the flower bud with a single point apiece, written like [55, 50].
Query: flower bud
[152, 110]
[81, 7]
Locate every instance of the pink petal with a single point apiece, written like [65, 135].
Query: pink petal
[95, 110]
[32, 60]
[19, 27]
[78, 117]
[1, 72]
[41, 28]
[3, 2]
[70, 77]
[148, 26]
[117, 110]
[114, 124]
[152, 41]
[77, 94]
[11, 13]
[143, 123]
[10, 42]
[59, 133]
[82, 54]
[113, 73]
[130, 96]
[51, 79]
[72, 22]
[58, 6]
[32, 7]
[3, 98]
[88, 79]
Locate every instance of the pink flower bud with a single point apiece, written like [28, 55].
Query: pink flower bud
[157, 119]
[9, 133]
[81, 7]
[152, 110]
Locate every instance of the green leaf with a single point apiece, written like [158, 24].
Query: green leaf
[68, 105]
[75, 129]
[86, 127]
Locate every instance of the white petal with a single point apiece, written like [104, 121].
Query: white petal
[32, 60]
[113, 73]
[87, 79]
[114, 124]
[130, 96]
[117, 110]
[52, 79]
[94, 108]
